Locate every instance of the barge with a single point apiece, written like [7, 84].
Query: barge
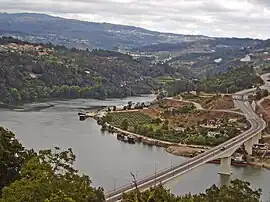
[234, 162]
[84, 115]
[130, 139]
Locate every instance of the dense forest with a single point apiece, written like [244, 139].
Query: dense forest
[233, 80]
[29, 72]
[49, 176]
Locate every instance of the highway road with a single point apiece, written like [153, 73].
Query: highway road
[257, 125]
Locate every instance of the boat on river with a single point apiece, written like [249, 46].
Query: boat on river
[120, 136]
[238, 162]
[130, 139]
[82, 115]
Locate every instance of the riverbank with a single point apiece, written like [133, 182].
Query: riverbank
[262, 163]
[20, 105]
[142, 138]
[184, 150]
[173, 148]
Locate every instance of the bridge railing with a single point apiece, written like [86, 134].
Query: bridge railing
[159, 173]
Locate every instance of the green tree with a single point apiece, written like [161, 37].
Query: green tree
[75, 91]
[129, 105]
[124, 125]
[157, 121]
[50, 176]
[265, 93]
[15, 94]
[165, 125]
[159, 132]
[236, 191]
[12, 157]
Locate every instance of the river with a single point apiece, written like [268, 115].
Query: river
[105, 159]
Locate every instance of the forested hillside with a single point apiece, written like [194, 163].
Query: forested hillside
[29, 72]
[233, 80]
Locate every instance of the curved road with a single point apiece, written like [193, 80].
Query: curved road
[257, 125]
[199, 106]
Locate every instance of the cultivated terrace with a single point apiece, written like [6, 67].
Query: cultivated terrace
[180, 122]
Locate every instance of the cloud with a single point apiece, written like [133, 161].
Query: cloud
[239, 18]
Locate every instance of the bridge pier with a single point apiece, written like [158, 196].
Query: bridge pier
[225, 166]
[253, 105]
[248, 146]
[260, 135]
[255, 139]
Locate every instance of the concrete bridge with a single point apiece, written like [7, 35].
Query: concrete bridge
[223, 151]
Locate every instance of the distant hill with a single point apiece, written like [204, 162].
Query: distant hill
[30, 72]
[43, 28]
[206, 44]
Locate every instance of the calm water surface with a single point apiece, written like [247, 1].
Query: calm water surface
[101, 156]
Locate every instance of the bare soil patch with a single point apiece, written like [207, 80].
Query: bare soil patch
[265, 111]
[151, 112]
[174, 103]
[198, 116]
[218, 102]
[183, 150]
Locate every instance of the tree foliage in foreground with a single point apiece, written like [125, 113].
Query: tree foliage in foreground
[236, 191]
[50, 177]
[12, 157]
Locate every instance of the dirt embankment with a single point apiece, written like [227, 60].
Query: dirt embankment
[152, 112]
[157, 109]
[198, 116]
[219, 102]
[174, 103]
[187, 151]
[265, 111]
[264, 163]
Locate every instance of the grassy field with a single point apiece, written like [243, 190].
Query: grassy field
[164, 80]
[133, 118]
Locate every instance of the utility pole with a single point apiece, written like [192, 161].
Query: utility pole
[114, 184]
[205, 73]
[137, 174]
[155, 172]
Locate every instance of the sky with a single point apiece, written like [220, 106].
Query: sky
[224, 18]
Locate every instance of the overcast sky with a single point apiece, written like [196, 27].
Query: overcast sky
[239, 18]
